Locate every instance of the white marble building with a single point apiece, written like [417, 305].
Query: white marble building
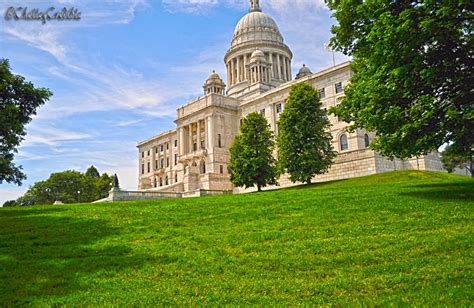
[195, 155]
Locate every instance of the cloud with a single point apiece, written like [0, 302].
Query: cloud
[48, 135]
[13, 193]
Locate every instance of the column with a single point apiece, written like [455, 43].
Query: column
[270, 55]
[228, 73]
[210, 132]
[181, 141]
[234, 72]
[239, 70]
[206, 137]
[245, 68]
[198, 135]
[289, 68]
[285, 70]
[279, 67]
[190, 138]
[231, 62]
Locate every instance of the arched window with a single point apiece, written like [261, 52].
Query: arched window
[166, 181]
[154, 182]
[366, 140]
[343, 142]
[203, 167]
[161, 182]
[176, 178]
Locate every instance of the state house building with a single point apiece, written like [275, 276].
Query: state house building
[195, 155]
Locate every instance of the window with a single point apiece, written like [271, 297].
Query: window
[156, 150]
[322, 93]
[176, 177]
[262, 112]
[338, 87]
[343, 142]
[143, 154]
[167, 146]
[148, 152]
[202, 144]
[222, 169]
[175, 143]
[148, 165]
[161, 148]
[161, 182]
[203, 167]
[162, 163]
[154, 183]
[166, 181]
[143, 168]
[366, 140]
[175, 159]
[156, 164]
[278, 108]
[195, 146]
[241, 121]
[219, 140]
[167, 162]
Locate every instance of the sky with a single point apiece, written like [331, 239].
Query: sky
[119, 73]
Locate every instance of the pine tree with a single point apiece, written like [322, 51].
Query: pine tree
[304, 140]
[252, 161]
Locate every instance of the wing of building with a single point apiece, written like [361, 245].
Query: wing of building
[195, 155]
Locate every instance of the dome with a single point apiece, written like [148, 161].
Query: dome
[213, 76]
[256, 26]
[304, 71]
[258, 55]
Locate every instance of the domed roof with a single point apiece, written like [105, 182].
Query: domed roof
[214, 78]
[257, 54]
[256, 26]
[304, 71]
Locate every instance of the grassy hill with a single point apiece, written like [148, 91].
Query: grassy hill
[401, 237]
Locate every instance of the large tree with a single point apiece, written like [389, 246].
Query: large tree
[252, 161]
[413, 72]
[19, 100]
[304, 140]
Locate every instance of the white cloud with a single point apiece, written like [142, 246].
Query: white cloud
[48, 135]
[13, 193]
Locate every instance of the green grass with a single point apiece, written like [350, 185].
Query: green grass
[401, 237]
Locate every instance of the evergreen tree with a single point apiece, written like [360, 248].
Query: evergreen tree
[92, 173]
[252, 162]
[304, 140]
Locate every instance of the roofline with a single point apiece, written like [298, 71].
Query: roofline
[157, 137]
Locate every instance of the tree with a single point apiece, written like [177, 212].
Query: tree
[92, 173]
[19, 100]
[304, 140]
[251, 154]
[68, 187]
[452, 159]
[413, 76]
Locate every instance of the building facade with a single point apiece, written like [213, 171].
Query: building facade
[195, 155]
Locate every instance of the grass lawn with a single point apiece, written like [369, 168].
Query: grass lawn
[400, 237]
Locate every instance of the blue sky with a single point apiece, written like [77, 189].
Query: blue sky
[120, 72]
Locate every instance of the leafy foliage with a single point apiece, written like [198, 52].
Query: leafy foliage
[252, 162]
[68, 187]
[452, 159]
[413, 78]
[304, 140]
[19, 100]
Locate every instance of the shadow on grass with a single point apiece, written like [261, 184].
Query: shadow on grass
[463, 191]
[45, 255]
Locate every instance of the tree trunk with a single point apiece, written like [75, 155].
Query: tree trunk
[308, 181]
[259, 188]
[472, 171]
